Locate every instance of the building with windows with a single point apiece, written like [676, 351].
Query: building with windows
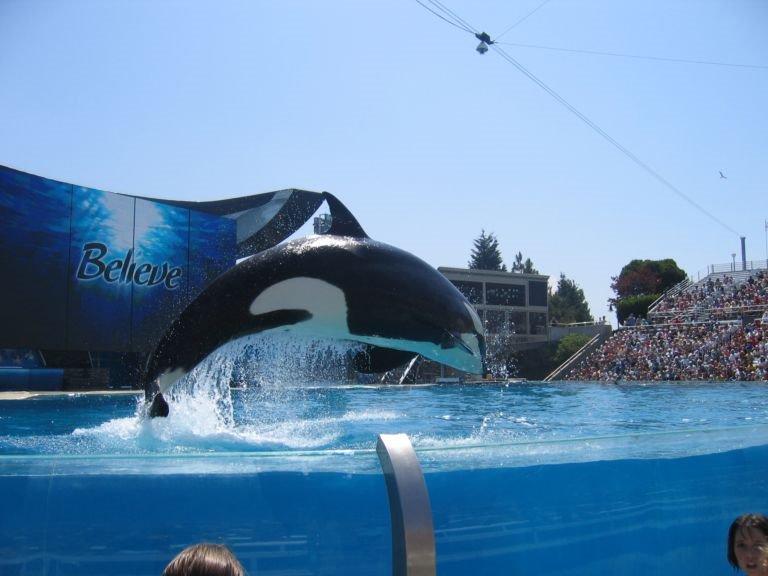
[509, 303]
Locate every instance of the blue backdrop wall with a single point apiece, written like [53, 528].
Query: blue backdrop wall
[86, 269]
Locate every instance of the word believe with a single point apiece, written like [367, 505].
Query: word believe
[93, 266]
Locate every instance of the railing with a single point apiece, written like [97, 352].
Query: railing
[413, 535]
[738, 277]
[679, 323]
[717, 313]
[749, 265]
[578, 324]
[562, 371]
[672, 292]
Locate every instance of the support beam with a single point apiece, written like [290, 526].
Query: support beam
[413, 536]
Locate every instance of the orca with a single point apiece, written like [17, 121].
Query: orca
[341, 285]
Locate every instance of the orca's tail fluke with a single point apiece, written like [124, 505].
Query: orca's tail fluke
[153, 398]
[158, 407]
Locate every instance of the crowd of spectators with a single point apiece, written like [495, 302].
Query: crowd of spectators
[715, 299]
[714, 330]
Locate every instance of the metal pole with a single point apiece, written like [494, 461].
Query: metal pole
[743, 253]
[413, 536]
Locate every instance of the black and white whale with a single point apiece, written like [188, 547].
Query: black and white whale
[341, 285]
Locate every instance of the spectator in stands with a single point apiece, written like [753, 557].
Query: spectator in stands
[699, 334]
[748, 544]
[205, 560]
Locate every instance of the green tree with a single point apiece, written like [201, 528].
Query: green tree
[640, 283]
[568, 346]
[568, 304]
[486, 254]
[523, 267]
[536, 363]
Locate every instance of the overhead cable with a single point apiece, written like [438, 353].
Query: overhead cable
[523, 19]
[635, 56]
[457, 21]
[610, 138]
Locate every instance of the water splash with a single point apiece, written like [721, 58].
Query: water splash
[274, 373]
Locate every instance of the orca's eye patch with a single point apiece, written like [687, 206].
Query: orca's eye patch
[451, 340]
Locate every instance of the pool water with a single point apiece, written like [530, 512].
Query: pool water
[556, 478]
[337, 417]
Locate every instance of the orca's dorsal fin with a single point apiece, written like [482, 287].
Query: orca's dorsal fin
[342, 221]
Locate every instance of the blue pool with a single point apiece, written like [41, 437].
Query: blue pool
[557, 478]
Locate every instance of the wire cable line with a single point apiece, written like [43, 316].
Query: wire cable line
[451, 22]
[523, 19]
[616, 144]
[568, 106]
[635, 56]
[468, 27]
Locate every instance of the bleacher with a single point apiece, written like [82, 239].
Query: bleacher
[713, 329]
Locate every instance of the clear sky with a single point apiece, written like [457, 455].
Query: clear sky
[592, 133]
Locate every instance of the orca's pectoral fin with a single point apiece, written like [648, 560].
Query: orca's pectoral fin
[159, 407]
[373, 359]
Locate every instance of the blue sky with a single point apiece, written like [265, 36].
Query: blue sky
[389, 107]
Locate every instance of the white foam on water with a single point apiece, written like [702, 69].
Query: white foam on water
[371, 415]
[276, 372]
[295, 396]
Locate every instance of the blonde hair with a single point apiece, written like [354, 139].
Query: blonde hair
[205, 560]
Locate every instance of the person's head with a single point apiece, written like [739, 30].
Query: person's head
[748, 544]
[204, 560]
